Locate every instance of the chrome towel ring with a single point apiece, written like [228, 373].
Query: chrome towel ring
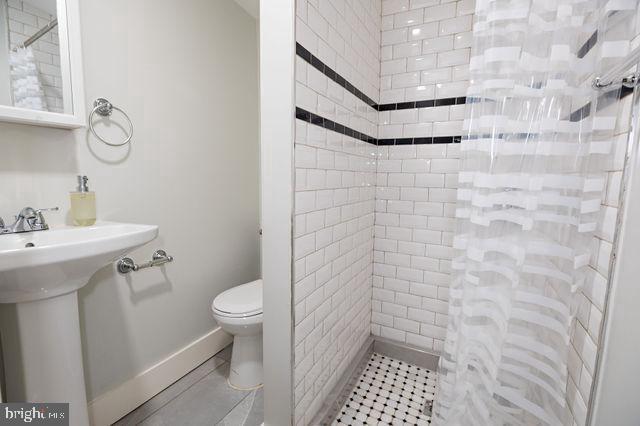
[105, 108]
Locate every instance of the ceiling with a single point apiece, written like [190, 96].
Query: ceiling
[251, 6]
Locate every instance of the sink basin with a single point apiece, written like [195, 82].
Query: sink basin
[40, 273]
[43, 264]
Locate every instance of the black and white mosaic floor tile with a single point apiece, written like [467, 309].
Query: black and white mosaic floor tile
[389, 392]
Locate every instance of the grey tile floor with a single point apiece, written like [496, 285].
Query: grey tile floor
[202, 397]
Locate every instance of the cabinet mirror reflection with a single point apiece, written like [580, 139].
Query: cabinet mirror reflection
[31, 74]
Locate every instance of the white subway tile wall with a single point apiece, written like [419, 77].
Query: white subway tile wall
[345, 35]
[424, 50]
[393, 271]
[415, 202]
[24, 21]
[333, 252]
[334, 196]
[586, 337]
[423, 59]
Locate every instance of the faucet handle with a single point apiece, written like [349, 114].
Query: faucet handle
[40, 218]
[48, 209]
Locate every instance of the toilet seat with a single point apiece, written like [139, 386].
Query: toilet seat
[242, 301]
[236, 315]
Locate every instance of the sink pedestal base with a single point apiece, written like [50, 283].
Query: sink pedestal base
[43, 354]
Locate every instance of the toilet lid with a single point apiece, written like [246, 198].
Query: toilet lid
[245, 299]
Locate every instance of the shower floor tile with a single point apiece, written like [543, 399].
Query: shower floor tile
[389, 392]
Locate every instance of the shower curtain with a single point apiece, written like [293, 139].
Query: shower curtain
[25, 80]
[538, 139]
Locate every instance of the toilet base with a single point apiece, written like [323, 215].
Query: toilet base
[245, 372]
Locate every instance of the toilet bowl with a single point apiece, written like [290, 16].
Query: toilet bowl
[239, 312]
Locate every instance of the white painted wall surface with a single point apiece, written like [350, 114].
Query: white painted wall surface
[186, 73]
[276, 167]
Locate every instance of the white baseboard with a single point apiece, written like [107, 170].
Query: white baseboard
[113, 405]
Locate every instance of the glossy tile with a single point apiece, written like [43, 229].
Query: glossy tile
[164, 397]
[249, 412]
[205, 403]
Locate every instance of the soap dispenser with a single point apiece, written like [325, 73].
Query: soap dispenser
[83, 204]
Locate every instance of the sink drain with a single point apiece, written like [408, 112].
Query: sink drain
[29, 245]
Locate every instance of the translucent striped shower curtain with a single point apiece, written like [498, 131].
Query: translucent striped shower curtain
[538, 140]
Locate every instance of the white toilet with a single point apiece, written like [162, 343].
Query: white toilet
[239, 312]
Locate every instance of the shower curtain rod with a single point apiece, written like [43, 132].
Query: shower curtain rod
[614, 74]
[42, 31]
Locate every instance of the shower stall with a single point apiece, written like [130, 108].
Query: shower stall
[444, 186]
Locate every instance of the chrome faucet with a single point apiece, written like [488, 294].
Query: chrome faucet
[28, 220]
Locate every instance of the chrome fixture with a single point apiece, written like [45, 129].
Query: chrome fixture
[160, 257]
[104, 108]
[42, 31]
[617, 75]
[28, 220]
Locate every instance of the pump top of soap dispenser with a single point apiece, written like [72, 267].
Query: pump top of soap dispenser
[83, 185]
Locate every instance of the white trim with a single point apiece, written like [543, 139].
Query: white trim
[5, 72]
[73, 37]
[277, 63]
[114, 404]
[68, 12]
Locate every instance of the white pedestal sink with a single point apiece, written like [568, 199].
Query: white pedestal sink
[41, 272]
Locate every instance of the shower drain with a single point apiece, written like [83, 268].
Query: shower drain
[428, 407]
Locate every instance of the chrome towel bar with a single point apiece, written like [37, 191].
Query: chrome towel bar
[160, 257]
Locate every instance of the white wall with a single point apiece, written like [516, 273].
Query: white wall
[607, 375]
[415, 189]
[277, 67]
[186, 73]
[615, 401]
[334, 196]
[425, 57]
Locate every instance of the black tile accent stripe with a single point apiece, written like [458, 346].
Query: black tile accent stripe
[423, 104]
[588, 45]
[420, 141]
[326, 70]
[603, 101]
[312, 118]
[591, 41]
[342, 82]
[578, 115]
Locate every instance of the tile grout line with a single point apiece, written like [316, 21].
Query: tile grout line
[234, 407]
[309, 117]
[315, 62]
[224, 361]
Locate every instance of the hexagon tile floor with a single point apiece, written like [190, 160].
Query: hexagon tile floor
[389, 392]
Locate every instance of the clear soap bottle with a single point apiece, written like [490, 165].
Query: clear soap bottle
[83, 204]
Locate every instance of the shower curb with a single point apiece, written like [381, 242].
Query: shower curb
[406, 353]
